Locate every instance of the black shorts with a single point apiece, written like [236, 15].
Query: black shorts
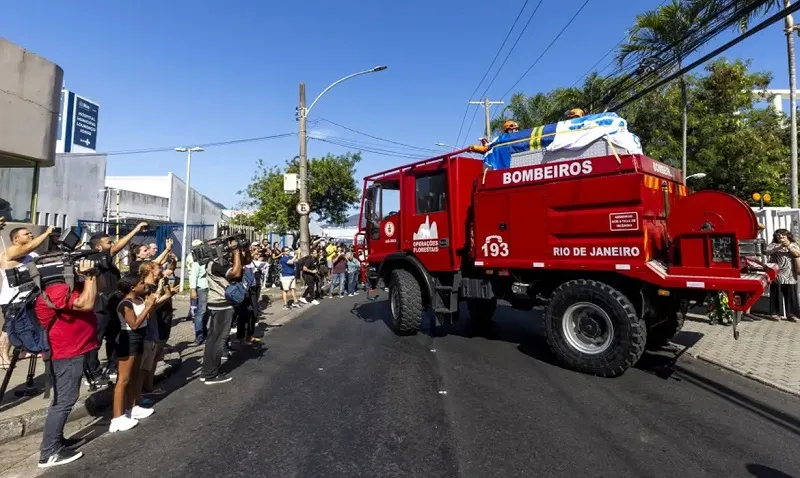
[131, 342]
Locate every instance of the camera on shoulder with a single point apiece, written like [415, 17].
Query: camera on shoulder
[219, 249]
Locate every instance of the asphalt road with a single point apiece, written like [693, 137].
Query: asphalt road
[337, 394]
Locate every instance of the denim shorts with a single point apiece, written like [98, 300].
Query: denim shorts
[131, 342]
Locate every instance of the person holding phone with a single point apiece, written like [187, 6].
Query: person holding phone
[134, 310]
[784, 252]
[286, 263]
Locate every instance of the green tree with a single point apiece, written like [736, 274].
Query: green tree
[544, 108]
[666, 28]
[332, 191]
[741, 148]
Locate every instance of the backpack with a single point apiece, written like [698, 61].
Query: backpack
[236, 293]
[24, 329]
[21, 324]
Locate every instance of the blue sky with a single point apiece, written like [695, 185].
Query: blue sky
[185, 72]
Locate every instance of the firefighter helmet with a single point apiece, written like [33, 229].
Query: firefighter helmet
[574, 113]
[509, 125]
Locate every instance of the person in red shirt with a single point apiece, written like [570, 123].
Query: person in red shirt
[72, 334]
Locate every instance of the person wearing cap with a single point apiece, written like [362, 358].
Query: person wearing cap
[509, 127]
[198, 283]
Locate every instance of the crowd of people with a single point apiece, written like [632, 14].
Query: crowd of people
[130, 313]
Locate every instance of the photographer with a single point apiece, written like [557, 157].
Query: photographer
[108, 325]
[72, 335]
[20, 252]
[220, 274]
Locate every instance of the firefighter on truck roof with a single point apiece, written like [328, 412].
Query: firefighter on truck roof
[509, 126]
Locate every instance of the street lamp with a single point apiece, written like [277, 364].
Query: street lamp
[188, 152]
[302, 116]
[696, 176]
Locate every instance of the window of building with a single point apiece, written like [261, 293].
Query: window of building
[431, 193]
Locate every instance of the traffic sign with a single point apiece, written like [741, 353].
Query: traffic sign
[303, 208]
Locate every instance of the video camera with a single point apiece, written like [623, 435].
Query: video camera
[219, 249]
[51, 268]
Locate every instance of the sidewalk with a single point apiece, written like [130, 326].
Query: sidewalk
[767, 351]
[22, 416]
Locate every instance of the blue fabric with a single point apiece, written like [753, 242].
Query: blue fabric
[540, 137]
[286, 268]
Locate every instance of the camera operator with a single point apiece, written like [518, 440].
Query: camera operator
[108, 326]
[72, 335]
[20, 252]
[220, 311]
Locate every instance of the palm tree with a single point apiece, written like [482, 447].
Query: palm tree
[715, 7]
[662, 31]
[544, 108]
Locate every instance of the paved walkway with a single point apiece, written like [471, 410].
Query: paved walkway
[766, 351]
[22, 416]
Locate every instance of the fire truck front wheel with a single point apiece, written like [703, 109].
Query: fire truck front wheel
[405, 299]
[593, 328]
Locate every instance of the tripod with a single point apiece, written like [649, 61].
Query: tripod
[30, 388]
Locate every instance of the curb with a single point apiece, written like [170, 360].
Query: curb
[751, 376]
[93, 405]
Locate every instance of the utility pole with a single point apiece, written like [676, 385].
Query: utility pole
[303, 176]
[486, 105]
[790, 31]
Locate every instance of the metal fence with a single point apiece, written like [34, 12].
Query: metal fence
[157, 234]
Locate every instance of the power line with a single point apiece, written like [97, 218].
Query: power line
[508, 55]
[486, 73]
[769, 21]
[547, 49]
[624, 38]
[172, 148]
[377, 137]
[355, 145]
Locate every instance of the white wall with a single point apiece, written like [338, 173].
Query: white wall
[69, 191]
[152, 185]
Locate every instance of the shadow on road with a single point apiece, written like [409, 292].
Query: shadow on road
[761, 471]
[526, 329]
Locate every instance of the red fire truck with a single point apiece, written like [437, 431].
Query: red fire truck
[613, 246]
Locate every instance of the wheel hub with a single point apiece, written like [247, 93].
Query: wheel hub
[587, 328]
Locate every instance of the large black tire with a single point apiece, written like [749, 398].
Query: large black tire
[405, 299]
[670, 317]
[603, 312]
[481, 311]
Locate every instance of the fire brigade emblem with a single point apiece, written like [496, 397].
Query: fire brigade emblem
[388, 229]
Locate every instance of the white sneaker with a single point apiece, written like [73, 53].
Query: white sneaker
[137, 412]
[233, 330]
[303, 300]
[122, 423]
[315, 302]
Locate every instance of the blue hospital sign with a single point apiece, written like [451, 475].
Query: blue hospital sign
[85, 123]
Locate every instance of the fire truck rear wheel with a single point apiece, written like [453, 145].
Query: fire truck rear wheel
[405, 299]
[593, 328]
